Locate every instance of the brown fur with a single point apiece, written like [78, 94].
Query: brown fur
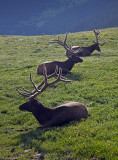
[66, 66]
[86, 51]
[57, 116]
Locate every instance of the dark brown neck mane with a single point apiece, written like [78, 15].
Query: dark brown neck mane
[91, 48]
[42, 114]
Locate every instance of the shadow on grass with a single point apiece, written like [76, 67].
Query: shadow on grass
[28, 136]
[33, 138]
[103, 55]
[73, 76]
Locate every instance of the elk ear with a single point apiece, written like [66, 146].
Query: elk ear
[69, 55]
[33, 100]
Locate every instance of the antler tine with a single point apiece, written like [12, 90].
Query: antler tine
[64, 44]
[59, 78]
[27, 90]
[45, 73]
[55, 74]
[69, 48]
[65, 39]
[48, 77]
[29, 93]
[32, 82]
[102, 43]
[22, 93]
[97, 32]
[44, 82]
[57, 40]
[56, 70]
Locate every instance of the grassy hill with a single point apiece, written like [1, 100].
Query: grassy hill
[94, 83]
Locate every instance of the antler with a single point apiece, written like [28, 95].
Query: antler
[36, 90]
[64, 44]
[96, 32]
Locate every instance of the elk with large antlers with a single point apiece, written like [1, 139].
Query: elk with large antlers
[87, 51]
[57, 116]
[65, 65]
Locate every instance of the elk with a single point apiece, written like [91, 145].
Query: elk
[65, 65]
[87, 51]
[48, 117]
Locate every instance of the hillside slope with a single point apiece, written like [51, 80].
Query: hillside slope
[94, 83]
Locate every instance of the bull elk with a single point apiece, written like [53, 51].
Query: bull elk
[65, 65]
[87, 51]
[46, 116]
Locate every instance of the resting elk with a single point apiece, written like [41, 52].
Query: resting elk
[46, 116]
[87, 51]
[65, 65]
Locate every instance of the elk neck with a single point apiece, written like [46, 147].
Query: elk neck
[68, 63]
[92, 47]
[42, 113]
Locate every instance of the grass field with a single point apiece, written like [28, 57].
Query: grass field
[94, 83]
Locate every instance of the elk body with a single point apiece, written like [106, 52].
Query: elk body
[65, 65]
[57, 116]
[87, 51]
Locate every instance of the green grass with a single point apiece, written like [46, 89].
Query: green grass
[94, 83]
